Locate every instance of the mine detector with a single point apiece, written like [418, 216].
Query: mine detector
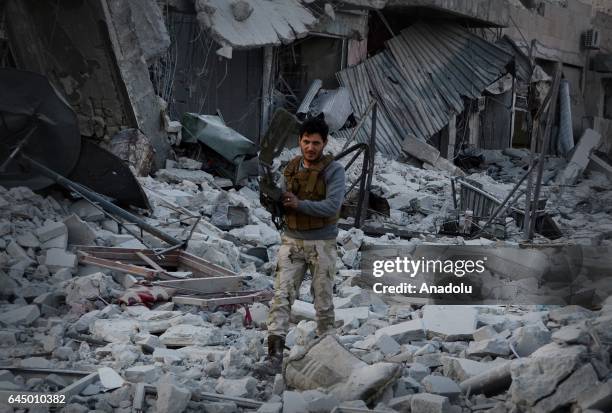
[283, 132]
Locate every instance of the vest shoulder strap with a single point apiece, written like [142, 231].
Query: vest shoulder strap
[293, 166]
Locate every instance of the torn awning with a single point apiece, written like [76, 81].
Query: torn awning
[421, 80]
[245, 24]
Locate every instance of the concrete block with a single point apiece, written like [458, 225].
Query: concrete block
[270, 407]
[7, 338]
[496, 346]
[484, 333]
[462, 369]
[15, 251]
[580, 158]
[60, 242]
[430, 403]
[79, 232]
[167, 356]
[404, 332]
[244, 387]
[418, 371]
[599, 398]
[420, 150]
[22, 315]
[109, 378]
[57, 259]
[442, 386]
[28, 240]
[293, 402]
[51, 230]
[171, 398]
[387, 345]
[143, 374]
[114, 330]
[529, 338]
[188, 335]
[87, 211]
[452, 323]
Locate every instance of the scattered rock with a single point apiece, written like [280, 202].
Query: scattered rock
[25, 315]
[236, 387]
[109, 378]
[171, 398]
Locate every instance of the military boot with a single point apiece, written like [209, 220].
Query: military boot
[274, 362]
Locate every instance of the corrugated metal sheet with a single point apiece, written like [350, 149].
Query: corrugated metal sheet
[421, 80]
[523, 67]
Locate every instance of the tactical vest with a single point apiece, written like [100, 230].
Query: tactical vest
[307, 184]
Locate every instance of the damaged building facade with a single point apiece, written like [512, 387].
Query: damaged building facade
[140, 145]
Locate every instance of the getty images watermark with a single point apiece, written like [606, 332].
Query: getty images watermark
[497, 274]
[408, 267]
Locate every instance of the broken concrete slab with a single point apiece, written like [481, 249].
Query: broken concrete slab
[570, 314]
[171, 398]
[25, 315]
[244, 387]
[57, 259]
[293, 402]
[167, 356]
[420, 150]
[79, 232]
[580, 157]
[188, 335]
[484, 333]
[60, 242]
[529, 338]
[17, 252]
[51, 230]
[143, 374]
[429, 403]
[452, 323]
[28, 240]
[462, 369]
[496, 346]
[597, 398]
[116, 330]
[540, 374]
[572, 334]
[319, 402]
[583, 380]
[404, 332]
[489, 382]
[442, 386]
[109, 378]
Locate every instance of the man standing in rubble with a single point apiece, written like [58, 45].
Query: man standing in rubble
[314, 186]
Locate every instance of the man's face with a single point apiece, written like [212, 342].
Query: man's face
[312, 146]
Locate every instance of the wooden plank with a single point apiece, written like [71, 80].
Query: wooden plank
[217, 301]
[118, 266]
[206, 285]
[149, 261]
[202, 266]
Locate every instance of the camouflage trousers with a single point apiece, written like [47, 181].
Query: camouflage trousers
[294, 257]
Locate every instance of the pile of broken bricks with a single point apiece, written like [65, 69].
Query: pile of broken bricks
[58, 316]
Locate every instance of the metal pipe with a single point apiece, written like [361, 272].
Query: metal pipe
[547, 132]
[501, 206]
[367, 170]
[104, 203]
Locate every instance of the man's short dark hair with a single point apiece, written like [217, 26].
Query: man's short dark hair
[314, 125]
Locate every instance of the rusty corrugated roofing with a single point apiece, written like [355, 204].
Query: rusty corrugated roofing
[421, 80]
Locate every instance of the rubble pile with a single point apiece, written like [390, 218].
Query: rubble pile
[58, 314]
